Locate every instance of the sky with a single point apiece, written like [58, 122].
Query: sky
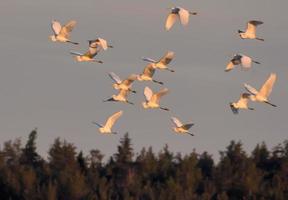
[42, 86]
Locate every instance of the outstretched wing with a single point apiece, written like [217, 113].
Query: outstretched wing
[156, 97]
[148, 93]
[149, 70]
[128, 81]
[112, 119]
[170, 21]
[114, 77]
[250, 89]
[167, 58]
[267, 87]
[66, 30]
[184, 16]
[176, 122]
[103, 43]
[187, 126]
[251, 26]
[56, 27]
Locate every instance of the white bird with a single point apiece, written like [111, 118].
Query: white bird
[163, 62]
[147, 74]
[263, 94]
[178, 12]
[121, 97]
[242, 103]
[62, 33]
[125, 84]
[100, 44]
[181, 128]
[240, 59]
[109, 123]
[250, 32]
[153, 99]
[89, 55]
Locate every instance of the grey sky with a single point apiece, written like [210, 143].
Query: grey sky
[42, 86]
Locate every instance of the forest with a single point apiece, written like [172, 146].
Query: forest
[70, 175]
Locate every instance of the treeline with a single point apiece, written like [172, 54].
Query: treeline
[70, 175]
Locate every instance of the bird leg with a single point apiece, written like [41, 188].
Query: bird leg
[159, 82]
[76, 43]
[256, 62]
[270, 103]
[259, 39]
[164, 108]
[193, 13]
[190, 134]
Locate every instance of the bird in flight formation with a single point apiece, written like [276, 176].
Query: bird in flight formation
[263, 94]
[123, 84]
[250, 32]
[153, 99]
[163, 62]
[239, 59]
[62, 33]
[178, 13]
[148, 73]
[242, 103]
[107, 128]
[181, 128]
[121, 97]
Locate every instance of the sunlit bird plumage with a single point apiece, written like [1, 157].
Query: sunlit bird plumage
[178, 13]
[181, 128]
[242, 103]
[107, 127]
[250, 32]
[125, 84]
[265, 91]
[153, 99]
[163, 62]
[62, 33]
[239, 59]
[120, 97]
[147, 74]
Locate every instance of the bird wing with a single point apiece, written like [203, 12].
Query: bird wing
[251, 26]
[229, 67]
[112, 119]
[114, 77]
[156, 96]
[56, 27]
[149, 70]
[246, 61]
[170, 21]
[128, 81]
[184, 16]
[266, 89]
[66, 30]
[103, 43]
[176, 122]
[148, 93]
[250, 89]
[167, 58]
[187, 126]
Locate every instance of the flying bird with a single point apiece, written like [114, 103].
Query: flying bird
[242, 103]
[121, 97]
[181, 128]
[239, 59]
[125, 84]
[178, 12]
[109, 123]
[250, 32]
[62, 33]
[153, 99]
[89, 55]
[100, 44]
[263, 94]
[163, 62]
[147, 74]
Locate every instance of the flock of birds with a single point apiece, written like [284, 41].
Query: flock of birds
[152, 99]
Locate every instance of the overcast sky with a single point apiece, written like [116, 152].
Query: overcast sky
[42, 86]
